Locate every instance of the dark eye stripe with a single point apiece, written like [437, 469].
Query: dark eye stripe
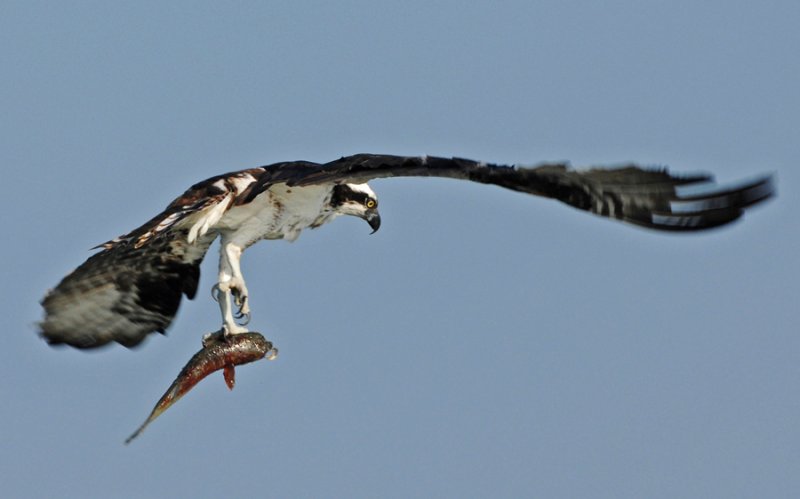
[343, 194]
[359, 197]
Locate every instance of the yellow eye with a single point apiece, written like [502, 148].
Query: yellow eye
[370, 203]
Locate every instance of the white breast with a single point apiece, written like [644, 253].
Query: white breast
[280, 212]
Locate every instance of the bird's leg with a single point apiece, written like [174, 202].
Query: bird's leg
[236, 282]
[229, 325]
[231, 283]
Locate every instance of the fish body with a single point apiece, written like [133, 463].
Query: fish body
[218, 352]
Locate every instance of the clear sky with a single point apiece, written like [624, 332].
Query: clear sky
[484, 343]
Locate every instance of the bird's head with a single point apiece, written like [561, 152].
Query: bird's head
[357, 200]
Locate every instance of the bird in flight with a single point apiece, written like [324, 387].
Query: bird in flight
[134, 285]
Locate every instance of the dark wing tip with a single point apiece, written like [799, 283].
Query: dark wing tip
[744, 194]
[715, 208]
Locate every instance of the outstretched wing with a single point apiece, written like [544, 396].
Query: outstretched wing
[645, 197]
[134, 286]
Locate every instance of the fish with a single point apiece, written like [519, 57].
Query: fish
[218, 352]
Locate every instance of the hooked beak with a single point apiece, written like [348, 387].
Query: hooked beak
[373, 218]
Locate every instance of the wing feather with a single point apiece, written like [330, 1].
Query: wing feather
[123, 293]
[204, 202]
[645, 197]
[133, 287]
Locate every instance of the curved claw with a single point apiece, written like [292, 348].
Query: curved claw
[241, 302]
[244, 316]
[215, 292]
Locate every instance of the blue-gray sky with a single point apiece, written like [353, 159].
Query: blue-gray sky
[483, 343]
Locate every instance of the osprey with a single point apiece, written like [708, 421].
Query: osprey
[134, 285]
